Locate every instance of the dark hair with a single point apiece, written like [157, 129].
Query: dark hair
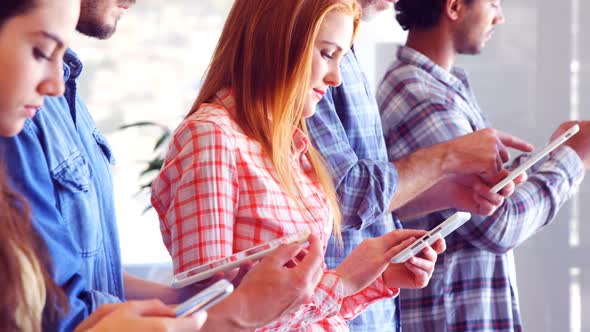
[12, 8]
[420, 14]
[18, 236]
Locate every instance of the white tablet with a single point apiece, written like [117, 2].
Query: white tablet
[205, 299]
[445, 228]
[535, 158]
[208, 270]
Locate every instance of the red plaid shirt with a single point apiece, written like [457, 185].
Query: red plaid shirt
[218, 194]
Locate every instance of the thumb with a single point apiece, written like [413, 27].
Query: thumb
[315, 257]
[151, 308]
[187, 324]
[398, 248]
[283, 254]
[399, 235]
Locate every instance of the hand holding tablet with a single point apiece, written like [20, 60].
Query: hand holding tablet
[205, 299]
[459, 218]
[208, 270]
[535, 158]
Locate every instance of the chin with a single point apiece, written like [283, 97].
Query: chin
[309, 110]
[471, 50]
[11, 131]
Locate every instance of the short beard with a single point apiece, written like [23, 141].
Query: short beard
[96, 30]
[89, 23]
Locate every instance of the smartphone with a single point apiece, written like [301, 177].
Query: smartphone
[205, 299]
[458, 219]
[208, 270]
[535, 158]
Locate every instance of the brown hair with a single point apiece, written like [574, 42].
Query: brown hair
[18, 235]
[264, 56]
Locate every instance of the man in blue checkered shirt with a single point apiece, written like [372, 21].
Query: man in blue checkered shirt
[346, 129]
[425, 100]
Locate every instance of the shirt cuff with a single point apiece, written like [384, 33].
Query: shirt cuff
[329, 294]
[566, 159]
[353, 305]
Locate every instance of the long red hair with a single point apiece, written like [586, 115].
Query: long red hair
[264, 55]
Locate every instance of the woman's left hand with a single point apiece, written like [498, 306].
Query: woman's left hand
[417, 271]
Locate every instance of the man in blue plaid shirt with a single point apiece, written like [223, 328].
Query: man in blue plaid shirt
[425, 100]
[346, 129]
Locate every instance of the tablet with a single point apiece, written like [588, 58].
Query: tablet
[536, 157]
[208, 270]
[445, 228]
[205, 299]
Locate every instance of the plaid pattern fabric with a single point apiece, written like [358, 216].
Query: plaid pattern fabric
[473, 287]
[218, 194]
[346, 130]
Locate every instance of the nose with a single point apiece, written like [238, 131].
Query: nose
[333, 77]
[53, 84]
[499, 18]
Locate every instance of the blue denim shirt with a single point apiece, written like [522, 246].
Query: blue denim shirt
[346, 129]
[60, 163]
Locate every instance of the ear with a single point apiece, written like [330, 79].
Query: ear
[454, 9]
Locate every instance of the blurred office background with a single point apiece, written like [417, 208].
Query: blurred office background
[531, 77]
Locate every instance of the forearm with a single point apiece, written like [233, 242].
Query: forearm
[230, 315]
[418, 172]
[428, 202]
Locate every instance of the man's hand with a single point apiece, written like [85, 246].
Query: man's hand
[482, 152]
[580, 142]
[471, 193]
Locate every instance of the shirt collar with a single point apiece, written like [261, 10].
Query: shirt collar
[72, 65]
[456, 78]
[300, 142]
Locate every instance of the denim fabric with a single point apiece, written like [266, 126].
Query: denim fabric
[61, 164]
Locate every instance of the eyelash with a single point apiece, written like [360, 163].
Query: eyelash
[327, 55]
[40, 55]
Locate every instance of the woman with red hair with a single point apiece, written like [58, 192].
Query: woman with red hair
[240, 169]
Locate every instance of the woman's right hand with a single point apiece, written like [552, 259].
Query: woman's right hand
[369, 260]
[276, 286]
[147, 315]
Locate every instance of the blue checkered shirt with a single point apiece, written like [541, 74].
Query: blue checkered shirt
[473, 287]
[346, 130]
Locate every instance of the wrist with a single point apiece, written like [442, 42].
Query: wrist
[440, 158]
[234, 313]
[445, 159]
[346, 287]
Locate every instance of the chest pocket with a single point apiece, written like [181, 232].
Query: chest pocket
[78, 202]
[104, 146]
